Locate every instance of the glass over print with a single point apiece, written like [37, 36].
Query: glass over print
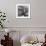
[23, 11]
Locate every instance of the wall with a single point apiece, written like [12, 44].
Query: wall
[37, 22]
[38, 13]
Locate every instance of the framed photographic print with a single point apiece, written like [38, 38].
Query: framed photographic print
[23, 11]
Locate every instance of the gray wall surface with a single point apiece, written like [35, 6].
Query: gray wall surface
[37, 22]
[38, 13]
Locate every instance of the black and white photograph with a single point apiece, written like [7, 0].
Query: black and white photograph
[23, 11]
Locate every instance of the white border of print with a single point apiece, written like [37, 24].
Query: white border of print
[22, 5]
